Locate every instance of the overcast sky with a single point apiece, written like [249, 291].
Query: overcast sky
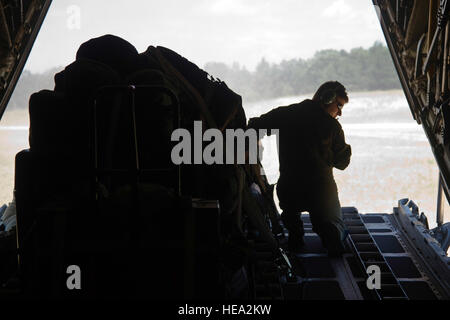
[227, 31]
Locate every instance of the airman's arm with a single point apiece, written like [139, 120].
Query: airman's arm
[341, 150]
[270, 120]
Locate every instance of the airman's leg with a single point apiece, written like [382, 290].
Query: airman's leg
[327, 222]
[289, 203]
[292, 221]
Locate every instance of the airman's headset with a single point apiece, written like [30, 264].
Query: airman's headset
[328, 96]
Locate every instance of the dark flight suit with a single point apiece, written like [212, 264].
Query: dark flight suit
[311, 143]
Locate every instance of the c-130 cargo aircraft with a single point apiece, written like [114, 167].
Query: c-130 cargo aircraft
[183, 236]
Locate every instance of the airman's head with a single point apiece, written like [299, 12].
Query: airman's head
[332, 96]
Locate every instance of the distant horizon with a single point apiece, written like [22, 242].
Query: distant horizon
[359, 69]
[228, 64]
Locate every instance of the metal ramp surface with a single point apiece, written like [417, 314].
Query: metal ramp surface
[374, 239]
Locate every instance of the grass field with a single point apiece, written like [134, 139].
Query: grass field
[391, 157]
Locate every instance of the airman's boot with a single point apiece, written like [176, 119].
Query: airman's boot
[294, 224]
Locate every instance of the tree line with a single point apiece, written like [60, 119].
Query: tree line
[30, 83]
[359, 70]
